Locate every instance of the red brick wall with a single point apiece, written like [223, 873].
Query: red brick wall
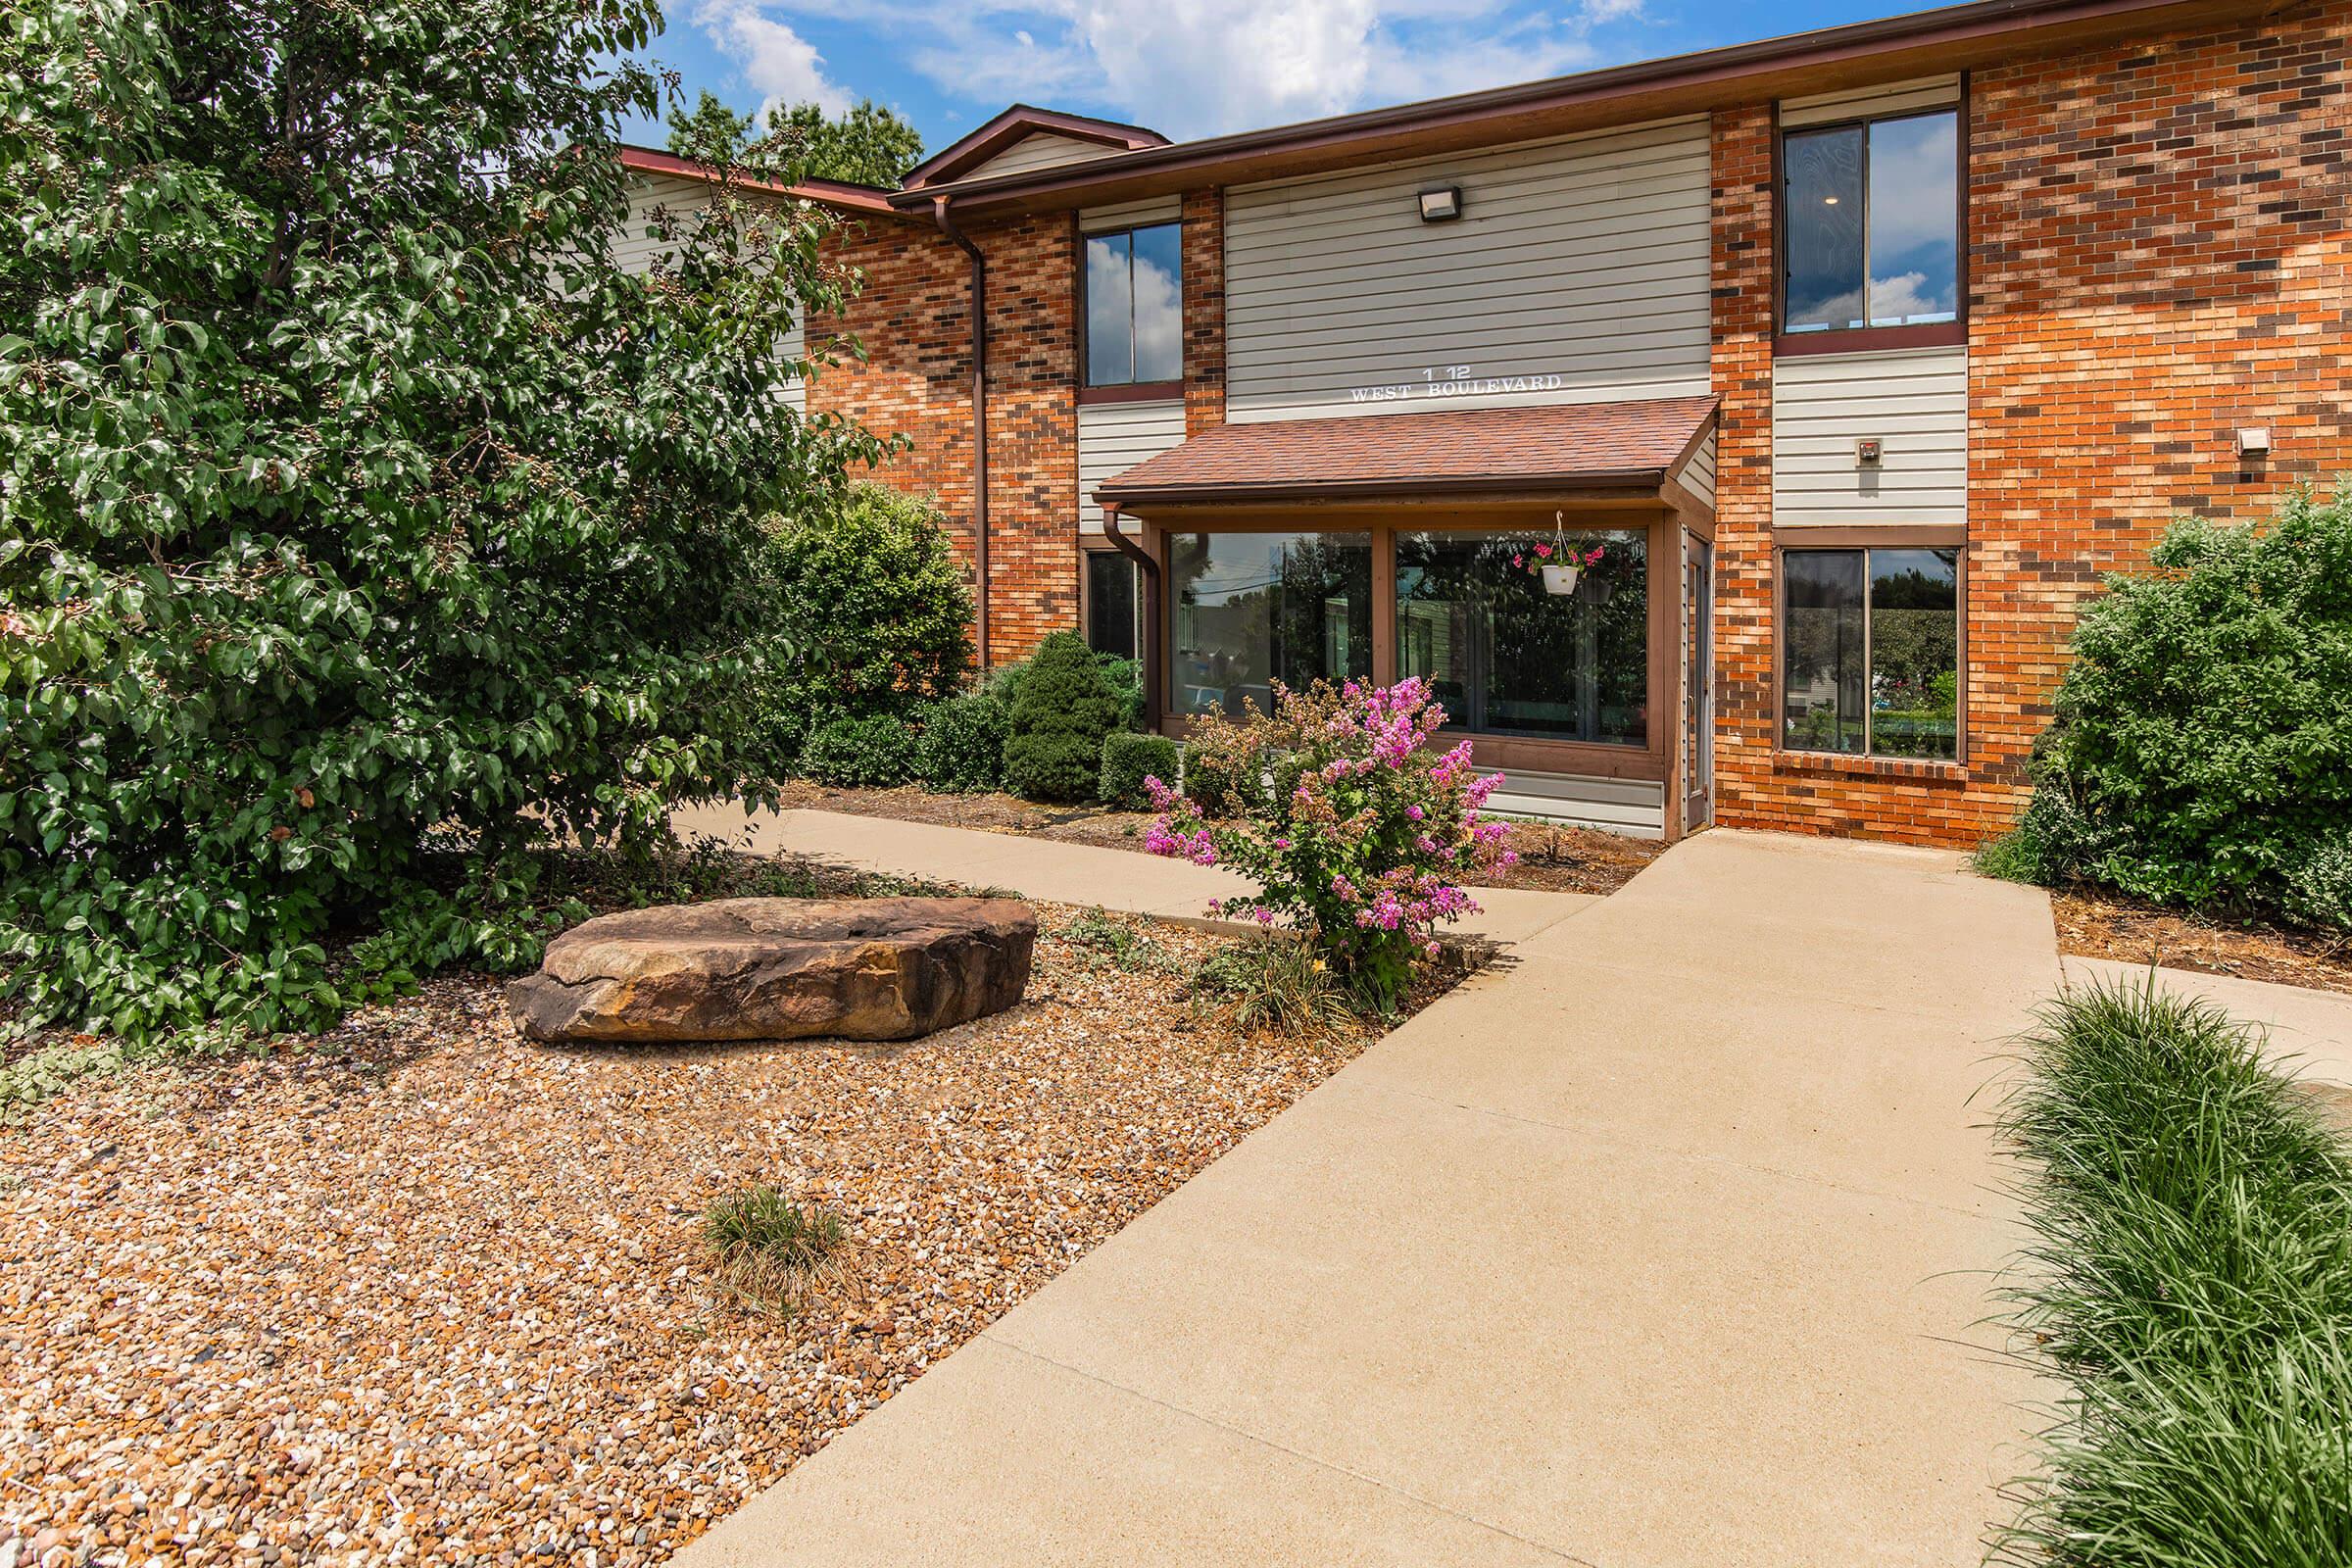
[2158, 254]
[913, 316]
[1204, 310]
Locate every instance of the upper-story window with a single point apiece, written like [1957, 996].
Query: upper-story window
[1134, 307]
[1871, 223]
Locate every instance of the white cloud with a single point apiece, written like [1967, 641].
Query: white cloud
[776, 62]
[1193, 68]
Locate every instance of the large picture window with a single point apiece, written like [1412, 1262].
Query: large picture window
[1870, 652]
[1248, 610]
[1871, 225]
[1507, 656]
[1134, 307]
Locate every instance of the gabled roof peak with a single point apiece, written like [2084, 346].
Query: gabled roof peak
[1018, 123]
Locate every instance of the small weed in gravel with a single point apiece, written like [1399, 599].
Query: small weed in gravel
[1122, 944]
[770, 1250]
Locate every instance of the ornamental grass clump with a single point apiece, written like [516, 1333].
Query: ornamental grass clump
[2192, 1280]
[1365, 836]
[770, 1249]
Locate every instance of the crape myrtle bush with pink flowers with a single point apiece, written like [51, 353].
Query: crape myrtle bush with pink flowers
[1366, 836]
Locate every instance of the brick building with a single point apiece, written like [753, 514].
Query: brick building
[1844, 365]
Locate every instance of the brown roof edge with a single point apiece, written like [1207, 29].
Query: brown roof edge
[869, 200]
[1947, 38]
[1020, 121]
[1126, 498]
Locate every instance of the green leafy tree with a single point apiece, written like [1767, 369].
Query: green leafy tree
[352, 502]
[872, 602]
[867, 145]
[711, 133]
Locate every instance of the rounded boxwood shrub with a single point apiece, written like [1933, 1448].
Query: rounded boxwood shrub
[1128, 760]
[2202, 754]
[962, 749]
[876, 752]
[1062, 709]
[871, 603]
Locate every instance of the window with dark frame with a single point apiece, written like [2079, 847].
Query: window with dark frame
[1114, 617]
[1870, 652]
[1134, 306]
[1870, 223]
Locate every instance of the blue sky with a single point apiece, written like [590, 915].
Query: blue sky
[1186, 68]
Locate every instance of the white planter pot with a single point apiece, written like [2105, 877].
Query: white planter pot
[1560, 579]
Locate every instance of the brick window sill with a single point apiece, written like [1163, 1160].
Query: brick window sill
[1825, 764]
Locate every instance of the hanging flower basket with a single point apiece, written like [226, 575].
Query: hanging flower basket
[1556, 563]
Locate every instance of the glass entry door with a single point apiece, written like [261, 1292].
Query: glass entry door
[1698, 683]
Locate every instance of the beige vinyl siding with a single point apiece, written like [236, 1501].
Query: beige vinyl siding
[1635, 808]
[1038, 150]
[1113, 437]
[1914, 400]
[1577, 272]
[1698, 473]
[1131, 215]
[636, 248]
[1887, 98]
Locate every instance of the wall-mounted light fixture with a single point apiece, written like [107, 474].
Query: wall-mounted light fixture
[2254, 441]
[1441, 204]
[1869, 450]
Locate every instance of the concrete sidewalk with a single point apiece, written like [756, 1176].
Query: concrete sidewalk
[1664, 1242]
[1045, 868]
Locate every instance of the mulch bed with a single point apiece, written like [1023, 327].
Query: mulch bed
[2092, 924]
[419, 1292]
[1552, 860]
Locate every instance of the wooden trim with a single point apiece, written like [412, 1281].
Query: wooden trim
[1870, 339]
[1629, 509]
[1869, 536]
[1696, 514]
[1126, 391]
[1383, 604]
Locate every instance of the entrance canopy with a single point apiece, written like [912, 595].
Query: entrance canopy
[1637, 446]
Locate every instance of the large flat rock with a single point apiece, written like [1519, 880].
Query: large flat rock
[780, 969]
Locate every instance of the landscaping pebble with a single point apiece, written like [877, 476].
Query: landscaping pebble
[422, 1292]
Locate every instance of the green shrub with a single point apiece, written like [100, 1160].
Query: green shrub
[1062, 709]
[770, 1249]
[1126, 677]
[962, 749]
[873, 604]
[1128, 760]
[353, 493]
[1227, 767]
[1122, 944]
[2202, 754]
[876, 752]
[2191, 1278]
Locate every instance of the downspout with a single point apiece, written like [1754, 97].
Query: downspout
[1150, 640]
[979, 295]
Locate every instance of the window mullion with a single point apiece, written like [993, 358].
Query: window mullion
[1869, 669]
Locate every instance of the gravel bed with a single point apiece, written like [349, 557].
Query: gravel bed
[425, 1294]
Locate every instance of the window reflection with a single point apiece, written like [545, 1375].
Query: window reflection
[1134, 306]
[1508, 657]
[1872, 219]
[1249, 609]
[1870, 656]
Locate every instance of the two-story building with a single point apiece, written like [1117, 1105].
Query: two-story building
[1840, 367]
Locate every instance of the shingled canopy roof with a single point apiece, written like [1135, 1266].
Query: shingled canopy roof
[1577, 446]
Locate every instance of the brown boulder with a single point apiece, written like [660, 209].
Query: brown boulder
[780, 969]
